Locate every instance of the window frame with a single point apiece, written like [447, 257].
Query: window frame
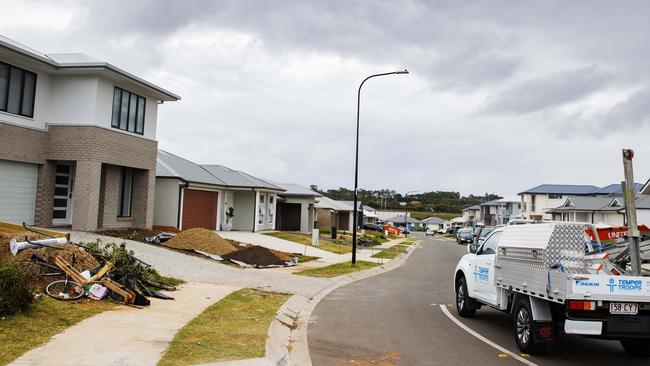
[117, 122]
[487, 240]
[22, 72]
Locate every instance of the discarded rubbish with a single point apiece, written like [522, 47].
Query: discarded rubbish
[97, 291]
[160, 238]
[211, 256]
[15, 246]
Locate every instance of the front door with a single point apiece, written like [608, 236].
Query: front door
[63, 187]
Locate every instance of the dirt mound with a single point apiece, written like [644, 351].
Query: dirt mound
[259, 256]
[201, 239]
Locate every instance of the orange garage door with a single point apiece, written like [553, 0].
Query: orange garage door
[199, 209]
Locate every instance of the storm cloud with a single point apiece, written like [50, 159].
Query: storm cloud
[502, 95]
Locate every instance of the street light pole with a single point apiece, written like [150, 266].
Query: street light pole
[356, 163]
[406, 214]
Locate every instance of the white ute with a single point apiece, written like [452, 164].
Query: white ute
[551, 278]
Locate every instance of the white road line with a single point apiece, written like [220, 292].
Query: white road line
[485, 340]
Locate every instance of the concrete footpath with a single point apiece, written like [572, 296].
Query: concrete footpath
[127, 335]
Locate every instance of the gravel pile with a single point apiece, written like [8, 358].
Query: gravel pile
[201, 239]
[259, 256]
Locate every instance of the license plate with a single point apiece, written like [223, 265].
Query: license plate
[625, 308]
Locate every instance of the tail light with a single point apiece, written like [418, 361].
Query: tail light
[582, 305]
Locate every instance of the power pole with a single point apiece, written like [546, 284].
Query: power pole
[630, 211]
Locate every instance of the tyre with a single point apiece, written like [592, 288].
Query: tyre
[523, 328]
[65, 290]
[637, 348]
[463, 300]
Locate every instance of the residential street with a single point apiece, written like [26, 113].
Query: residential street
[390, 319]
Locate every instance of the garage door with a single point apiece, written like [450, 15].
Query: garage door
[288, 218]
[17, 191]
[199, 209]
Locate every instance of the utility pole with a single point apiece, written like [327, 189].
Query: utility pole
[630, 211]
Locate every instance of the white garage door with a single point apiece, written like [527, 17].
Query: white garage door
[17, 191]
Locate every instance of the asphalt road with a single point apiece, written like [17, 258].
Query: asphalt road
[389, 319]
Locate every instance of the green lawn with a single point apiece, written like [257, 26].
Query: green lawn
[338, 247]
[337, 269]
[390, 253]
[234, 328]
[45, 318]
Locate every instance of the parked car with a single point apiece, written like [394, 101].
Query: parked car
[404, 230]
[442, 231]
[373, 227]
[465, 235]
[483, 233]
[429, 232]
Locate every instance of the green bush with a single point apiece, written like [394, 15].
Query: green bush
[16, 291]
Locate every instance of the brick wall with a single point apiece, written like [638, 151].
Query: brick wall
[86, 195]
[22, 144]
[45, 193]
[100, 144]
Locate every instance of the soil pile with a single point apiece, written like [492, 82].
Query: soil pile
[259, 256]
[201, 239]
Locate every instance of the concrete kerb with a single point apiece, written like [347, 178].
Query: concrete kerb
[292, 348]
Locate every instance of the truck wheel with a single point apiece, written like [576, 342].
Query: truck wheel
[636, 348]
[463, 300]
[523, 328]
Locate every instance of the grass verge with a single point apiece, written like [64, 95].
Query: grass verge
[390, 253]
[338, 269]
[234, 328]
[45, 318]
[306, 240]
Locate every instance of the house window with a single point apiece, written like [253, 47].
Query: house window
[17, 90]
[125, 192]
[554, 196]
[270, 209]
[261, 209]
[128, 111]
[532, 203]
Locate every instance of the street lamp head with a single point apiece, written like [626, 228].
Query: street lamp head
[402, 72]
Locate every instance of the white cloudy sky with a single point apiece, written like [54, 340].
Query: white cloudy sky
[502, 95]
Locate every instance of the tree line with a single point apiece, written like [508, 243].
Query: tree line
[434, 201]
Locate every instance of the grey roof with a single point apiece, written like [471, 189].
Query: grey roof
[71, 61]
[433, 220]
[475, 207]
[236, 178]
[351, 204]
[562, 189]
[616, 189]
[589, 203]
[368, 208]
[399, 219]
[492, 202]
[170, 165]
[296, 190]
[328, 203]
[642, 202]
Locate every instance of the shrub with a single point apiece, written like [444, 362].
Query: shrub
[16, 291]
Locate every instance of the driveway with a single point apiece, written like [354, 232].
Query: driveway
[197, 269]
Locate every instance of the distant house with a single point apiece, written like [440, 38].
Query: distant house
[296, 208]
[333, 214]
[472, 214]
[537, 201]
[359, 211]
[499, 211]
[435, 223]
[369, 215]
[401, 220]
[190, 195]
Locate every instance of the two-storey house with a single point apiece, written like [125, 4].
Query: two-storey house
[535, 202]
[499, 211]
[77, 141]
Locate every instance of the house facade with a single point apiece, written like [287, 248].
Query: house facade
[499, 211]
[592, 209]
[78, 141]
[535, 202]
[296, 209]
[333, 214]
[213, 197]
[472, 214]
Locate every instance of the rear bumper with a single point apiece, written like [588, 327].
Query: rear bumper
[611, 326]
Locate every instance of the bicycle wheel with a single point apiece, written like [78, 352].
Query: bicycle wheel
[65, 290]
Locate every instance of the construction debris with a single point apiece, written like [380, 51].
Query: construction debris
[258, 256]
[201, 240]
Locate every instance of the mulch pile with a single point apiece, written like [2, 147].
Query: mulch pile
[201, 239]
[259, 256]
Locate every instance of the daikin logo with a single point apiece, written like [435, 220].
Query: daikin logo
[612, 284]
